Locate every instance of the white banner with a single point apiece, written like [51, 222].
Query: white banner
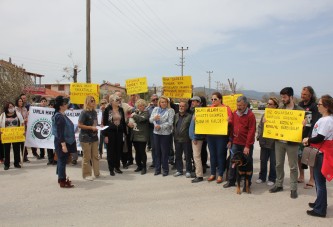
[39, 128]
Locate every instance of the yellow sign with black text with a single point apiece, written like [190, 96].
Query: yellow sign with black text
[79, 92]
[136, 86]
[12, 134]
[177, 87]
[231, 101]
[284, 124]
[211, 120]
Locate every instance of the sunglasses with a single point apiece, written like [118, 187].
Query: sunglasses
[154, 99]
[215, 99]
[103, 103]
[92, 100]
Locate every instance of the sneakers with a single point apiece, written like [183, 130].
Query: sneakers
[276, 189]
[177, 174]
[89, 178]
[188, 175]
[259, 181]
[270, 183]
[197, 180]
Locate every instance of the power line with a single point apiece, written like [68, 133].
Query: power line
[182, 59]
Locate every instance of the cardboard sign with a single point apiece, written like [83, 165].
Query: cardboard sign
[13, 134]
[136, 86]
[231, 101]
[79, 92]
[284, 124]
[177, 87]
[211, 120]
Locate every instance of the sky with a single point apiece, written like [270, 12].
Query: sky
[264, 45]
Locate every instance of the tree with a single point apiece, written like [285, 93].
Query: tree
[71, 71]
[13, 80]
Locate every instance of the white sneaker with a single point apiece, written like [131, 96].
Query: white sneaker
[270, 183]
[177, 174]
[188, 175]
[100, 176]
[259, 181]
[89, 178]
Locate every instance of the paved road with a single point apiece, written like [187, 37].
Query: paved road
[31, 197]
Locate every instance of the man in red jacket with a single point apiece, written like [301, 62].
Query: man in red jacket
[242, 136]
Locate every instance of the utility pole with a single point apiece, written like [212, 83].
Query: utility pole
[182, 59]
[209, 78]
[88, 65]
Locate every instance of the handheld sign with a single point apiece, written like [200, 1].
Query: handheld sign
[211, 120]
[177, 87]
[136, 86]
[231, 101]
[13, 134]
[284, 124]
[79, 92]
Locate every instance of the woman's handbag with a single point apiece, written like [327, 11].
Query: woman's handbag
[309, 156]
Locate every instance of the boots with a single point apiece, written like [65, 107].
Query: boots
[65, 183]
[144, 170]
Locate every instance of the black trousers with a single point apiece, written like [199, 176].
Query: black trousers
[50, 155]
[16, 150]
[114, 150]
[41, 153]
[2, 155]
[128, 156]
[140, 154]
[204, 154]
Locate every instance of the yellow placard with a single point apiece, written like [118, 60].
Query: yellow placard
[177, 87]
[136, 86]
[231, 101]
[79, 92]
[12, 134]
[211, 120]
[284, 124]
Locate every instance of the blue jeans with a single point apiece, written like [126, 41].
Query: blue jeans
[232, 172]
[218, 153]
[321, 200]
[162, 148]
[265, 155]
[61, 164]
[186, 148]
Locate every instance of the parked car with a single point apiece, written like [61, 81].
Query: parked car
[261, 107]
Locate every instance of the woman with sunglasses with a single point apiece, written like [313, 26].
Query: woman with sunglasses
[322, 139]
[89, 139]
[114, 118]
[267, 149]
[217, 145]
[64, 139]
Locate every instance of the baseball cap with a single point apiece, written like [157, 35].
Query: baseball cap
[196, 98]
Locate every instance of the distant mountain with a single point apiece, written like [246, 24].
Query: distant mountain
[251, 94]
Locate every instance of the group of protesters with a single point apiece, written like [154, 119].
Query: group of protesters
[169, 132]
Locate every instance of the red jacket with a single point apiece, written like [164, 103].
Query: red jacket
[243, 128]
[327, 149]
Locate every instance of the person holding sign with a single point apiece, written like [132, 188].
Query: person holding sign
[283, 147]
[114, 118]
[267, 149]
[89, 139]
[64, 139]
[8, 119]
[242, 137]
[217, 144]
[322, 139]
[162, 118]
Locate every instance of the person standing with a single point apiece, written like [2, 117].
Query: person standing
[140, 135]
[19, 107]
[267, 149]
[153, 104]
[114, 118]
[197, 142]
[309, 104]
[218, 144]
[103, 103]
[89, 139]
[242, 137]
[182, 140]
[8, 119]
[64, 139]
[322, 139]
[162, 117]
[290, 148]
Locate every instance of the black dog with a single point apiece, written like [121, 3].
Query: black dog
[244, 169]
